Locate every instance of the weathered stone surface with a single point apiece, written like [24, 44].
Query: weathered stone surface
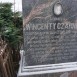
[49, 38]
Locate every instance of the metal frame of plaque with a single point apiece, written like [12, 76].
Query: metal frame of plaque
[50, 37]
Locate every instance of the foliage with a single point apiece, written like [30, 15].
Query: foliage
[10, 26]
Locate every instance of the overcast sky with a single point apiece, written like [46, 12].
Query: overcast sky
[18, 4]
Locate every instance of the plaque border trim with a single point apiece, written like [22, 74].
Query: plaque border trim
[45, 69]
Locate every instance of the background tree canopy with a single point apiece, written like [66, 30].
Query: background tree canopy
[10, 24]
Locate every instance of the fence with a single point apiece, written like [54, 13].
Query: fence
[6, 63]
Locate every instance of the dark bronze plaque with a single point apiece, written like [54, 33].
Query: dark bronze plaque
[50, 31]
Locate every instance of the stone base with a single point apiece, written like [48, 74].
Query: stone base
[50, 70]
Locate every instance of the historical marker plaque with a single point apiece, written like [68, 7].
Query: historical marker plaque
[50, 31]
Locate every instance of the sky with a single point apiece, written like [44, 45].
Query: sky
[18, 4]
